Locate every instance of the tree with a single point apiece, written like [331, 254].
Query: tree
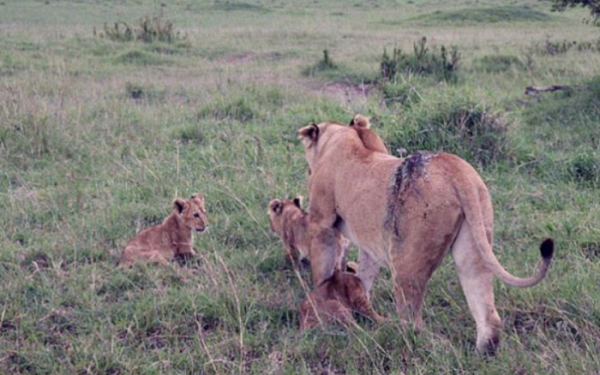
[593, 5]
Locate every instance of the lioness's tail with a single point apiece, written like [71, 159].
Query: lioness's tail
[474, 217]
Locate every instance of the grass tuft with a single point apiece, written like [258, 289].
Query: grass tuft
[497, 63]
[452, 122]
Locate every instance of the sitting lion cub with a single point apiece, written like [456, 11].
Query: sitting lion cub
[289, 221]
[162, 243]
[335, 300]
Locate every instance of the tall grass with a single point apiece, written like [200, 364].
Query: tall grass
[98, 136]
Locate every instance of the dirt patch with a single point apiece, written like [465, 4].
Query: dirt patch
[345, 91]
[247, 57]
[238, 58]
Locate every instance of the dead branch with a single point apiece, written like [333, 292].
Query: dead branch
[529, 90]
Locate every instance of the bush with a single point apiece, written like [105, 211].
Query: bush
[150, 29]
[551, 48]
[453, 124]
[561, 47]
[441, 63]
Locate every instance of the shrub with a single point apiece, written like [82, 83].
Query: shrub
[561, 47]
[325, 64]
[441, 63]
[552, 48]
[150, 29]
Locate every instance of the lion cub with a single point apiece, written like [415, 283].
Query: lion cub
[289, 221]
[162, 243]
[334, 300]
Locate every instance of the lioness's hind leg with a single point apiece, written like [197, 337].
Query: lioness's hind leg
[368, 268]
[413, 262]
[477, 284]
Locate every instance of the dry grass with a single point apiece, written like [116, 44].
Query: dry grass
[84, 165]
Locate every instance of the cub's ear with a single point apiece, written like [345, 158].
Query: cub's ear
[276, 206]
[309, 134]
[298, 201]
[352, 267]
[360, 121]
[179, 205]
[197, 196]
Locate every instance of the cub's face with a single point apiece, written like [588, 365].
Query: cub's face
[281, 209]
[192, 212]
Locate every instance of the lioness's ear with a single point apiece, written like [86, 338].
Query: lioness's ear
[276, 206]
[360, 121]
[298, 201]
[309, 134]
[179, 205]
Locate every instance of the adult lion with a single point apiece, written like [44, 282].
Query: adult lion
[407, 213]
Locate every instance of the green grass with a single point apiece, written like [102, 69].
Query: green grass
[97, 137]
[486, 15]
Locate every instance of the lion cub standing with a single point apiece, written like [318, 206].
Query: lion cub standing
[289, 221]
[162, 243]
[335, 300]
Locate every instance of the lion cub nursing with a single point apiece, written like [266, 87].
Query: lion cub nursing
[162, 243]
[334, 300]
[338, 296]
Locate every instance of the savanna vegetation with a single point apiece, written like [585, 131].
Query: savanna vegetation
[110, 109]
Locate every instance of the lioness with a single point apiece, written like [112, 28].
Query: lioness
[407, 213]
[162, 243]
[335, 300]
[289, 221]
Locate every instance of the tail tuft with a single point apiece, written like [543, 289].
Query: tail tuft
[547, 248]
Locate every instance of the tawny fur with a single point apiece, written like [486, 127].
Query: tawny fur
[335, 300]
[406, 213]
[290, 222]
[162, 243]
[370, 140]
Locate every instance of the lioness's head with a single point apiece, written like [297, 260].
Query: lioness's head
[192, 212]
[315, 136]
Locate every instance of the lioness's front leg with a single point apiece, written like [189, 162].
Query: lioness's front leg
[322, 233]
[323, 252]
